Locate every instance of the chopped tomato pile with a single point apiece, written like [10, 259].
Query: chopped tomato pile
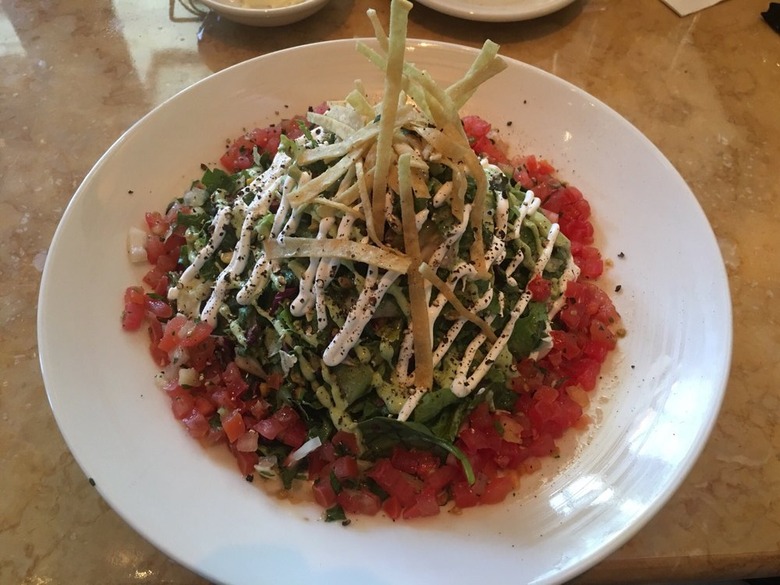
[217, 402]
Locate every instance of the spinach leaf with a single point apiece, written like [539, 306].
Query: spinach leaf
[335, 514]
[380, 435]
[214, 179]
[528, 331]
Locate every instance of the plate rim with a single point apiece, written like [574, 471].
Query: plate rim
[494, 13]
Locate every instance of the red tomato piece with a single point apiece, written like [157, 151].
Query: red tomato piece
[497, 489]
[359, 501]
[396, 483]
[197, 424]
[392, 508]
[246, 462]
[170, 339]
[324, 494]
[159, 308]
[132, 317]
[345, 442]
[233, 425]
[463, 495]
[425, 505]
[539, 288]
[345, 467]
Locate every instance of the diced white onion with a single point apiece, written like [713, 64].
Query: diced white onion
[247, 443]
[302, 451]
[188, 377]
[136, 245]
[266, 465]
[195, 197]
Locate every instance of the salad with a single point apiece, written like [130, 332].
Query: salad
[374, 300]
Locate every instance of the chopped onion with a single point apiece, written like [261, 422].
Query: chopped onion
[195, 197]
[266, 465]
[309, 446]
[189, 377]
[247, 443]
[136, 245]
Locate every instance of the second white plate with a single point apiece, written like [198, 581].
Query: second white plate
[496, 10]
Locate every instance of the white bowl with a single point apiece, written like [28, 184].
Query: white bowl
[265, 16]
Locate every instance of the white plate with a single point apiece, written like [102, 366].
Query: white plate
[659, 401]
[233, 10]
[496, 10]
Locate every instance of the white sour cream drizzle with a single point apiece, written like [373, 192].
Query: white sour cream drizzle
[263, 187]
[374, 289]
[465, 382]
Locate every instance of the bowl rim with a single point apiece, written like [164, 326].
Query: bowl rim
[297, 6]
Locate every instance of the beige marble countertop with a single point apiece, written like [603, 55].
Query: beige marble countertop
[704, 88]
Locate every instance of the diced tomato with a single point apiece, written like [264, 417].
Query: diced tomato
[426, 504]
[359, 501]
[155, 247]
[414, 461]
[345, 467]
[158, 308]
[202, 354]
[154, 277]
[135, 295]
[233, 425]
[197, 424]
[269, 428]
[395, 482]
[205, 406]
[295, 434]
[589, 261]
[392, 507]
[232, 378]
[156, 223]
[246, 462]
[463, 495]
[133, 317]
[324, 494]
[170, 339]
[497, 489]
[441, 478]
[478, 131]
[484, 146]
[182, 405]
[240, 153]
[475, 126]
[345, 442]
[539, 288]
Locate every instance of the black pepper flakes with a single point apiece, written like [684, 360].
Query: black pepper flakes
[91, 482]
[250, 478]
[621, 255]
[618, 288]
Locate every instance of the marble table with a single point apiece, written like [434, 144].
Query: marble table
[704, 88]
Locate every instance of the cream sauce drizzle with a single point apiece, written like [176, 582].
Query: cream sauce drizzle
[468, 377]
